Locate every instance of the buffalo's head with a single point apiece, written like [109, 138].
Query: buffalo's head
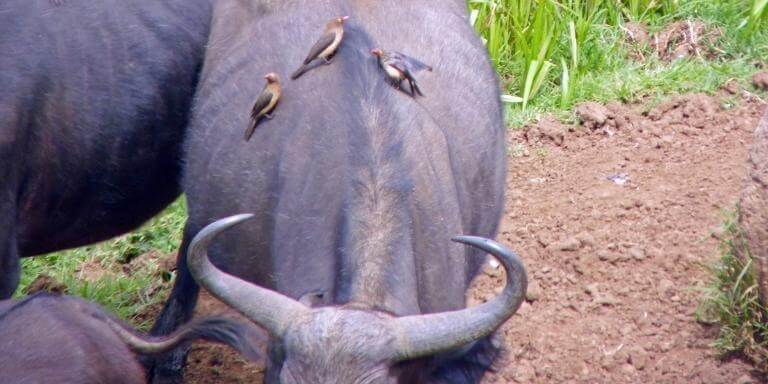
[349, 345]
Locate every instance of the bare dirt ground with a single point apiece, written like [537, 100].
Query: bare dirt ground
[615, 219]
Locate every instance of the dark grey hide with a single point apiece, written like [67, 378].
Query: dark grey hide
[62, 339]
[357, 188]
[94, 104]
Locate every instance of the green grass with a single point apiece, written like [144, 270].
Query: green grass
[731, 300]
[96, 272]
[553, 54]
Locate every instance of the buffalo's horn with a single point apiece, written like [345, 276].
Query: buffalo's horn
[422, 335]
[267, 308]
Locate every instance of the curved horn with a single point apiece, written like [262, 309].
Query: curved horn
[267, 308]
[422, 335]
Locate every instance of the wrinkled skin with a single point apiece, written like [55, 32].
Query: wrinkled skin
[356, 187]
[74, 341]
[95, 102]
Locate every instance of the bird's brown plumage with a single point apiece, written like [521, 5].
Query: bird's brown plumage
[265, 103]
[325, 47]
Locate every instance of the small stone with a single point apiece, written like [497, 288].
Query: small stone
[607, 362]
[688, 131]
[760, 80]
[627, 369]
[608, 256]
[553, 132]
[745, 379]
[569, 244]
[586, 239]
[637, 253]
[534, 291]
[731, 86]
[717, 232]
[606, 299]
[524, 372]
[638, 358]
[591, 114]
[627, 204]
[665, 285]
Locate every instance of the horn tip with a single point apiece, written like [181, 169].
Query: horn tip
[467, 239]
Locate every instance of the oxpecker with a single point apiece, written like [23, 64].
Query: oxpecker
[325, 47]
[399, 67]
[265, 103]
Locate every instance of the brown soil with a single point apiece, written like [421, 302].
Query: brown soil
[45, 283]
[760, 80]
[615, 219]
[677, 40]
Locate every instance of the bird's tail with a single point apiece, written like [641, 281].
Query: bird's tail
[299, 72]
[415, 89]
[251, 129]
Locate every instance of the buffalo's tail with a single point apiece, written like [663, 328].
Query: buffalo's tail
[215, 329]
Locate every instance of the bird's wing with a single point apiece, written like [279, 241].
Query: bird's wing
[413, 64]
[261, 102]
[401, 66]
[321, 44]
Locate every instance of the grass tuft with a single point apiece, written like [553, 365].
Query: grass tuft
[731, 301]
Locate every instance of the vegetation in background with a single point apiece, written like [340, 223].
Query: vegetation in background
[731, 300]
[98, 272]
[551, 54]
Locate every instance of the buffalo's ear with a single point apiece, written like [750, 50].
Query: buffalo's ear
[313, 298]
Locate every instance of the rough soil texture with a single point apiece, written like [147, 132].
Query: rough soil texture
[615, 218]
[680, 39]
[46, 283]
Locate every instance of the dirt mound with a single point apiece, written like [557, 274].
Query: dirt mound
[760, 80]
[680, 39]
[46, 283]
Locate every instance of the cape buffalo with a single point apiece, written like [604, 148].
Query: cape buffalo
[59, 339]
[356, 188]
[94, 103]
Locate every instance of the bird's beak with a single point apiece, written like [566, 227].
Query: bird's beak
[344, 18]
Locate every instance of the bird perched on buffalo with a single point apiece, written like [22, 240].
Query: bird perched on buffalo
[325, 47]
[399, 67]
[265, 103]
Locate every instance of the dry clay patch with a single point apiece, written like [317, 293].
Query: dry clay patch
[615, 219]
